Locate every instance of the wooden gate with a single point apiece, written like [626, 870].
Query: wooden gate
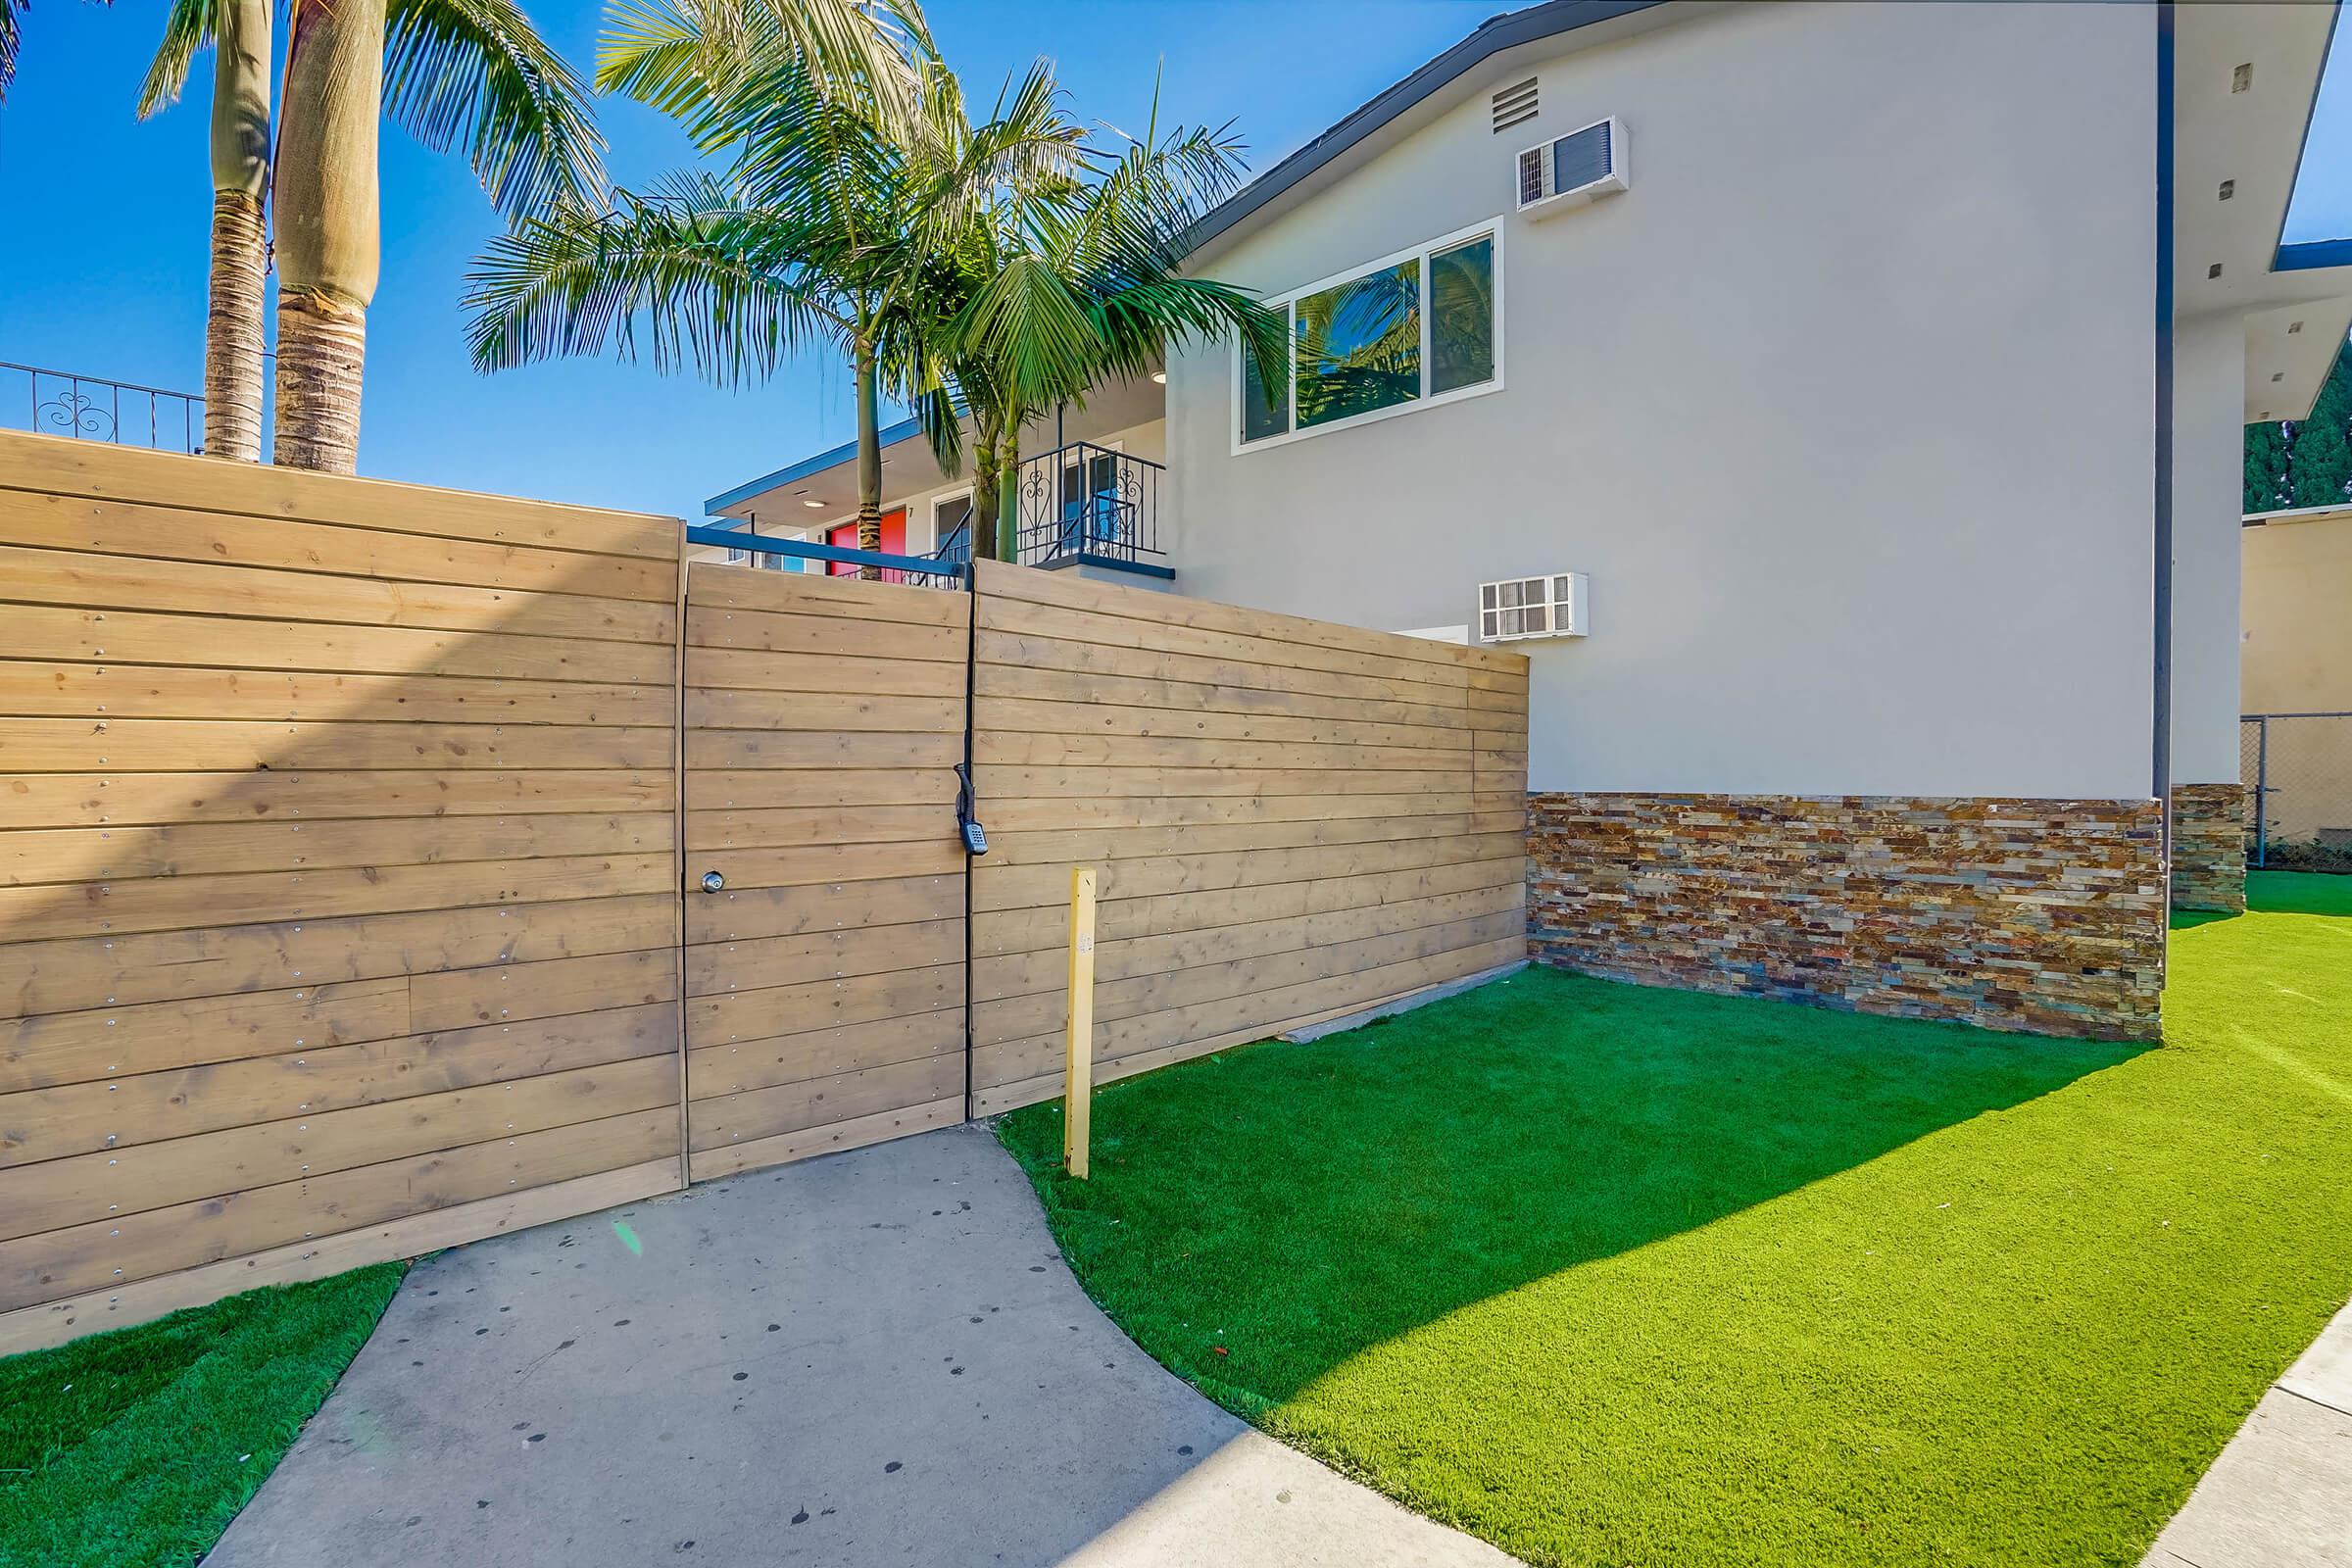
[825, 882]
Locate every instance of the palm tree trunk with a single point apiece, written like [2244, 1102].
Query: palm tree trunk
[987, 486]
[240, 155]
[1008, 494]
[327, 229]
[869, 459]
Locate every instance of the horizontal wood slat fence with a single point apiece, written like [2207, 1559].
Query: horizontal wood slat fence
[351, 838]
[337, 874]
[1293, 821]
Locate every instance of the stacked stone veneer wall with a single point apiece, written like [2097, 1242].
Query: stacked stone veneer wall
[2209, 847]
[2026, 914]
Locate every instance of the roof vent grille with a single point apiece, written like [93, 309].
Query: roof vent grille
[1514, 106]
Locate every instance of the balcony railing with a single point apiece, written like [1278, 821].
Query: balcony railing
[956, 550]
[92, 409]
[1091, 504]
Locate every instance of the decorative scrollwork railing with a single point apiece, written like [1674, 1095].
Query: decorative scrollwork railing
[91, 408]
[1088, 502]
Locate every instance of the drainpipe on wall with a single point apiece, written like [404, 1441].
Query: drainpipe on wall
[2161, 754]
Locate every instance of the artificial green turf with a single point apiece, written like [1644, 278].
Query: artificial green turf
[2298, 893]
[1620, 1276]
[136, 1449]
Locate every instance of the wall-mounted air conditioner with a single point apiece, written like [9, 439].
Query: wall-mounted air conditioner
[1572, 170]
[1551, 606]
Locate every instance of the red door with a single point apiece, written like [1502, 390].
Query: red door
[844, 535]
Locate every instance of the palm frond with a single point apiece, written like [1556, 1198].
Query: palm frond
[1028, 139]
[670, 57]
[942, 423]
[677, 55]
[712, 285]
[10, 39]
[802, 145]
[188, 27]
[1031, 325]
[477, 71]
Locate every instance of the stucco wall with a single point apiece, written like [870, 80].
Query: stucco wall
[2298, 615]
[2209, 379]
[1844, 406]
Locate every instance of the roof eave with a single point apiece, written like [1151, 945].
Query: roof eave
[2309, 255]
[1494, 36]
[890, 435]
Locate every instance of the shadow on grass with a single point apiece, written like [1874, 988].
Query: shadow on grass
[1304, 1202]
[2298, 893]
[2280, 892]
[139, 1445]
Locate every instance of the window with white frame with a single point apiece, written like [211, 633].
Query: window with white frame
[1405, 332]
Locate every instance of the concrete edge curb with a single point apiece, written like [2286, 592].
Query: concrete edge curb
[1403, 1003]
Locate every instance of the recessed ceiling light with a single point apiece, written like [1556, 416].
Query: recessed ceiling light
[2292, 327]
[1162, 377]
[2243, 77]
[2215, 271]
[2229, 189]
[813, 503]
[2277, 375]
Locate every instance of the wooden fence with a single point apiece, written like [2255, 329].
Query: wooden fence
[353, 836]
[1293, 821]
[825, 979]
[339, 909]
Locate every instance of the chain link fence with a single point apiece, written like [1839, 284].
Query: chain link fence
[2298, 772]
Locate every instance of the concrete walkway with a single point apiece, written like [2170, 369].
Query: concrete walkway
[2280, 1493]
[873, 1357]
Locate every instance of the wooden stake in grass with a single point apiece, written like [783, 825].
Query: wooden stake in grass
[1078, 1066]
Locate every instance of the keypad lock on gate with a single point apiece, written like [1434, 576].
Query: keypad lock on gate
[967, 823]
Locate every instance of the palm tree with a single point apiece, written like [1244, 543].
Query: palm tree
[449, 70]
[971, 203]
[10, 40]
[828, 226]
[998, 266]
[1083, 281]
[240, 156]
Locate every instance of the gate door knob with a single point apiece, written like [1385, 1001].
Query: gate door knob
[712, 881]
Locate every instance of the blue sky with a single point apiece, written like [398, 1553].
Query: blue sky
[103, 271]
[2322, 208]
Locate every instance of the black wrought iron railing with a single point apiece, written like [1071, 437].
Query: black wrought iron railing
[956, 550]
[1089, 503]
[91, 408]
